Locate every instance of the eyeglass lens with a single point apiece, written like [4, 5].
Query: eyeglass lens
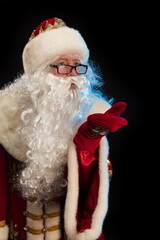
[62, 69]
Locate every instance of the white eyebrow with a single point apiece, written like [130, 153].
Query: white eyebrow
[75, 59]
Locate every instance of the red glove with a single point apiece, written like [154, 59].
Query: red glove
[98, 125]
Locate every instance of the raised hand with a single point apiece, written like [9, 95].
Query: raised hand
[98, 125]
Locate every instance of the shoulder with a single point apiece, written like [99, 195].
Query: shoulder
[8, 108]
[9, 113]
[9, 122]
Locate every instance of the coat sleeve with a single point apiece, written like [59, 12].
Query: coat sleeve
[88, 174]
[3, 196]
[87, 195]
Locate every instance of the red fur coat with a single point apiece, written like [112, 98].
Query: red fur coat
[86, 201]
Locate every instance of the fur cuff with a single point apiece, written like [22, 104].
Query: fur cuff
[88, 234]
[4, 232]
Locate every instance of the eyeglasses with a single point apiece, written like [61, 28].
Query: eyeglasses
[66, 69]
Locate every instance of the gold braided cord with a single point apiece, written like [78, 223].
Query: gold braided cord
[40, 217]
[33, 216]
[110, 171]
[31, 199]
[52, 229]
[43, 230]
[109, 162]
[54, 214]
[2, 223]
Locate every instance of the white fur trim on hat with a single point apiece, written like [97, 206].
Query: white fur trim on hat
[50, 44]
[4, 232]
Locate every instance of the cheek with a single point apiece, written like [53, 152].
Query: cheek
[53, 71]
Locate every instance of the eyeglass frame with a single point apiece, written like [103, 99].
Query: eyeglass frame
[72, 67]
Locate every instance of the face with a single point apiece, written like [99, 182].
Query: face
[66, 60]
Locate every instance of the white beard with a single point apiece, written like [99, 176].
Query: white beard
[51, 115]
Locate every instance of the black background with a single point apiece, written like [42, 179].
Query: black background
[114, 35]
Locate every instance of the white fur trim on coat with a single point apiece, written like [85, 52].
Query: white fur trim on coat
[73, 192]
[4, 233]
[35, 237]
[53, 221]
[70, 222]
[9, 122]
[34, 208]
[51, 44]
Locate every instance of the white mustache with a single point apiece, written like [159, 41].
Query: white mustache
[79, 81]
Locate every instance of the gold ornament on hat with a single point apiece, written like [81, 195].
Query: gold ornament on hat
[48, 26]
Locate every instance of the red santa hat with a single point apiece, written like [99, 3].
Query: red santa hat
[49, 40]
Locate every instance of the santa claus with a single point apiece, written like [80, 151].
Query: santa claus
[54, 163]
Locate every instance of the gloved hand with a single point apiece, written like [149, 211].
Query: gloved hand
[98, 125]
